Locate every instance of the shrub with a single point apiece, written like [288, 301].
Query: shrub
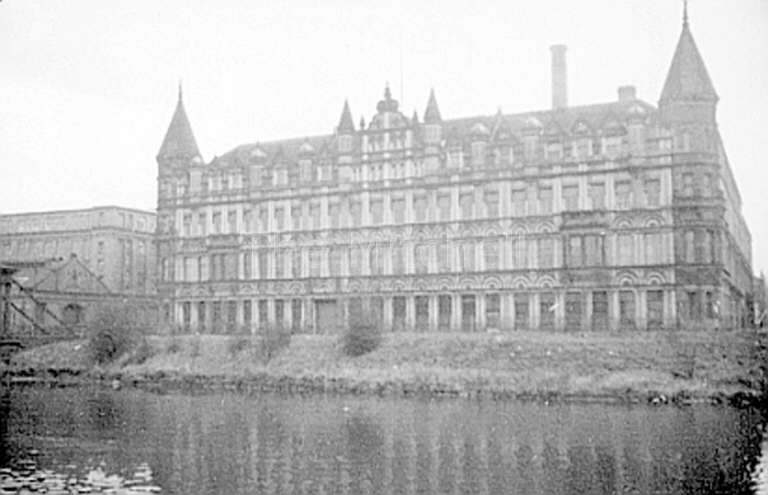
[173, 346]
[273, 340]
[362, 336]
[140, 352]
[238, 344]
[113, 332]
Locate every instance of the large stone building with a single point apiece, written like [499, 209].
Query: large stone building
[612, 215]
[91, 256]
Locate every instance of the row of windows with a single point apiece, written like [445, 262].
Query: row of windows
[439, 315]
[465, 256]
[422, 208]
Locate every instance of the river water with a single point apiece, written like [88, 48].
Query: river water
[230, 443]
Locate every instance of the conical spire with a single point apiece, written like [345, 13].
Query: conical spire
[432, 113]
[687, 78]
[179, 140]
[346, 125]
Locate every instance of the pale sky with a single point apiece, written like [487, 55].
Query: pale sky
[87, 88]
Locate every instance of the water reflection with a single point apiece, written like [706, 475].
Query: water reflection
[232, 444]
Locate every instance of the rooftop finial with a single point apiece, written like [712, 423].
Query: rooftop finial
[180, 90]
[685, 13]
[387, 92]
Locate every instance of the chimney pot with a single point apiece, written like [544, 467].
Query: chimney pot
[559, 77]
[627, 93]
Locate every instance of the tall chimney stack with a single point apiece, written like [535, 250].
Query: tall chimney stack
[559, 77]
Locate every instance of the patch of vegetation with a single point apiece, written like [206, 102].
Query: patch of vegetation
[362, 336]
[273, 340]
[238, 344]
[114, 332]
[173, 346]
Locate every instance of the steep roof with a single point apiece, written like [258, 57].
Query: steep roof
[179, 140]
[346, 125]
[687, 77]
[432, 113]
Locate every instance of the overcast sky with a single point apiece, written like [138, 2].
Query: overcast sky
[87, 88]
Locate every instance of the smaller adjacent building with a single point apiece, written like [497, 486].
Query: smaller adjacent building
[76, 259]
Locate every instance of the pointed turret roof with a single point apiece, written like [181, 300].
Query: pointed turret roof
[432, 113]
[687, 77]
[179, 140]
[346, 125]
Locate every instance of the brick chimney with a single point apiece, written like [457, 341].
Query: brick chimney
[559, 77]
[627, 93]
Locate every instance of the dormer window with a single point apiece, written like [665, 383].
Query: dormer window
[478, 153]
[554, 151]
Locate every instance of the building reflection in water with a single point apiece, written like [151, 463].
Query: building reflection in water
[237, 444]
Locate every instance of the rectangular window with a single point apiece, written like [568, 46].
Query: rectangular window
[519, 201]
[468, 256]
[187, 225]
[202, 268]
[377, 211]
[247, 220]
[398, 314]
[247, 269]
[217, 223]
[296, 271]
[279, 263]
[593, 245]
[573, 310]
[545, 200]
[443, 257]
[444, 205]
[468, 308]
[355, 213]
[398, 210]
[493, 311]
[574, 252]
[600, 310]
[263, 264]
[201, 316]
[279, 312]
[231, 316]
[546, 252]
[521, 311]
[295, 315]
[314, 215]
[627, 309]
[444, 312]
[597, 195]
[296, 217]
[420, 208]
[232, 221]
[421, 259]
[231, 266]
[687, 184]
[623, 192]
[652, 192]
[466, 201]
[202, 224]
[263, 313]
[355, 261]
[491, 199]
[422, 313]
[652, 248]
[571, 197]
[655, 309]
[263, 219]
[626, 249]
[333, 215]
[316, 262]
[334, 261]
[491, 254]
[547, 311]
[279, 218]
[519, 250]
[247, 313]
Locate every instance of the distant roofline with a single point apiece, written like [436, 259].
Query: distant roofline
[78, 210]
[446, 122]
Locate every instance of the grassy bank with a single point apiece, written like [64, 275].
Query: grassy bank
[629, 366]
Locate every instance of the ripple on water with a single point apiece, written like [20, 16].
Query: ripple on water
[26, 476]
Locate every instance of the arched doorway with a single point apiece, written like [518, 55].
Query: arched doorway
[72, 314]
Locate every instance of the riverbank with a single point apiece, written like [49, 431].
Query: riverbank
[629, 367]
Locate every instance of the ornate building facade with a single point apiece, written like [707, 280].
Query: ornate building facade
[617, 215]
